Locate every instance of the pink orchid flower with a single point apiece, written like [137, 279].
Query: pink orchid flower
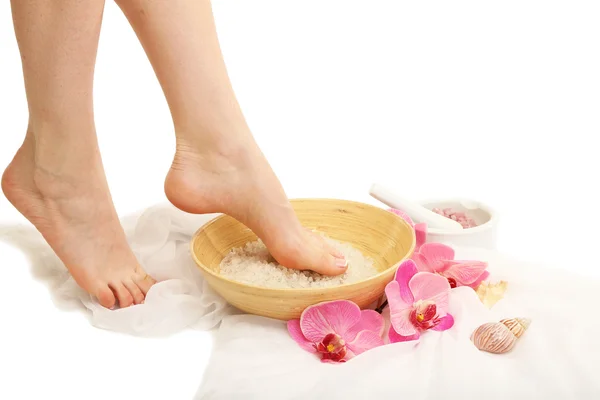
[337, 330]
[420, 229]
[439, 258]
[418, 302]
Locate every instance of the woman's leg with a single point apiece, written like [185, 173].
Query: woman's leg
[56, 179]
[218, 166]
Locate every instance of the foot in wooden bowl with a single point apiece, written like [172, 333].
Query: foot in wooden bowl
[238, 181]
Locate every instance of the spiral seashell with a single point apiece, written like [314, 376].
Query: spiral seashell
[517, 326]
[494, 337]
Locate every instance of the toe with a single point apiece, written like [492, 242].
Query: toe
[310, 253]
[331, 250]
[144, 282]
[123, 295]
[325, 245]
[327, 264]
[327, 259]
[105, 296]
[134, 290]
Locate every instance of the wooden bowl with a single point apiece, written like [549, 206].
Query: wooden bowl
[377, 233]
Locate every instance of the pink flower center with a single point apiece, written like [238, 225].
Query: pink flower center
[332, 347]
[451, 281]
[424, 315]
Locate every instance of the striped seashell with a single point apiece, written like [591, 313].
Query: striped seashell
[517, 326]
[494, 337]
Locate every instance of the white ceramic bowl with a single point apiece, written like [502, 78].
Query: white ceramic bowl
[483, 235]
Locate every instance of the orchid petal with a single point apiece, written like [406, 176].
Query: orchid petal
[399, 311]
[445, 323]
[404, 274]
[328, 361]
[402, 215]
[481, 278]
[395, 300]
[394, 337]
[465, 272]
[430, 287]
[436, 254]
[370, 320]
[321, 319]
[296, 334]
[365, 340]
[421, 263]
[401, 323]
[421, 235]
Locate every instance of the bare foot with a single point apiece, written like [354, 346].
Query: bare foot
[74, 212]
[238, 181]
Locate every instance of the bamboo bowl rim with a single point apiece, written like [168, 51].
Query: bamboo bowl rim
[326, 289]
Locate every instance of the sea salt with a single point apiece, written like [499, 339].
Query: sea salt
[254, 265]
[460, 217]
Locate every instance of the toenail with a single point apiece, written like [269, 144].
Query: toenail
[341, 262]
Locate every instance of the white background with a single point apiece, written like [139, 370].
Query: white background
[494, 101]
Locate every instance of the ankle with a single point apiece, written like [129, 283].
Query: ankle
[213, 132]
[51, 171]
[211, 146]
[63, 148]
[64, 122]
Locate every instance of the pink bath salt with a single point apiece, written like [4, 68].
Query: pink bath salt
[458, 216]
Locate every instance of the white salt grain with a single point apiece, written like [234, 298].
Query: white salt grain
[253, 265]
